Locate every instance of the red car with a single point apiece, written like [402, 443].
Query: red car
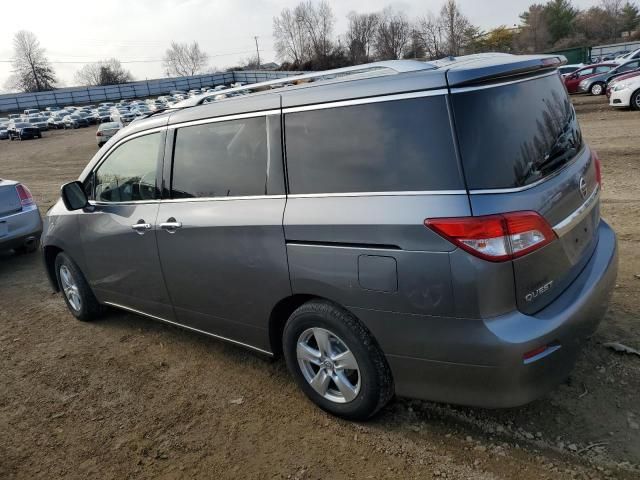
[615, 80]
[571, 81]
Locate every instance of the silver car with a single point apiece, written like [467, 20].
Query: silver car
[20, 222]
[106, 131]
[39, 122]
[430, 230]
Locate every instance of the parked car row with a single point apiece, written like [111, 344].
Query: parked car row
[72, 117]
[619, 81]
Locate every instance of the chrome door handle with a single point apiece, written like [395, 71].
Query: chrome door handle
[141, 226]
[171, 225]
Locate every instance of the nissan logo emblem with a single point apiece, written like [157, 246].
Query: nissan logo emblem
[583, 187]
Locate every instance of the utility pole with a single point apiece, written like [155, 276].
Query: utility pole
[257, 51]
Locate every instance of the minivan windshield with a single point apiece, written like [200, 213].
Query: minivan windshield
[515, 134]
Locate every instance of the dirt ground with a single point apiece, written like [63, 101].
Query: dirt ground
[125, 397]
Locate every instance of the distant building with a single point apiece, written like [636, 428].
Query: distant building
[269, 66]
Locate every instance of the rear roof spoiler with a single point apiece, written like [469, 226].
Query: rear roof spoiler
[479, 69]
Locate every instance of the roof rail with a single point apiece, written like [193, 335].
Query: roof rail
[390, 67]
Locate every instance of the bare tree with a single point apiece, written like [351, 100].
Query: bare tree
[32, 71]
[360, 36]
[318, 21]
[305, 33]
[183, 60]
[432, 32]
[393, 34]
[534, 35]
[104, 72]
[291, 41]
[613, 10]
[457, 27]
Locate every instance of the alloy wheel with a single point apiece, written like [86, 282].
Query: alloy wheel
[328, 365]
[70, 288]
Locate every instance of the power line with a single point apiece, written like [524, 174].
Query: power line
[145, 60]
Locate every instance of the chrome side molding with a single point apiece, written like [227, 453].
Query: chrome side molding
[176, 324]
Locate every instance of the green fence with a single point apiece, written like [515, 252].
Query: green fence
[575, 55]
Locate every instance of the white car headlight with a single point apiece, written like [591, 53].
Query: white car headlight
[620, 86]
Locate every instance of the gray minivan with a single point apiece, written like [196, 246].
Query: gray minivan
[429, 230]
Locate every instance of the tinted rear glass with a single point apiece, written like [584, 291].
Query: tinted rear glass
[403, 145]
[513, 135]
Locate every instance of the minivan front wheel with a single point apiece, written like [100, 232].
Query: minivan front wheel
[336, 362]
[77, 294]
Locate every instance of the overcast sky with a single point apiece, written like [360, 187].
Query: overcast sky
[75, 31]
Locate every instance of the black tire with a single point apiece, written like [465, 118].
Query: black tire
[597, 88]
[376, 383]
[39, 135]
[89, 309]
[635, 100]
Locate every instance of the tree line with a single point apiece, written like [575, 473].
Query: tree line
[305, 39]
[304, 36]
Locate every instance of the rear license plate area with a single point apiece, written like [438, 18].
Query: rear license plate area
[581, 236]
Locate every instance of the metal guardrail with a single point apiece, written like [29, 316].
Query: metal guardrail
[18, 102]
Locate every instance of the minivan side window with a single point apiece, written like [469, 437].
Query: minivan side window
[129, 172]
[389, 146]
[221, 159]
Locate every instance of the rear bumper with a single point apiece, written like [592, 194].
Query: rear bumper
[480, 362]
[22, 226]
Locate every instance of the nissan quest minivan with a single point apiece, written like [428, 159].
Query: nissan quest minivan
[430, 230]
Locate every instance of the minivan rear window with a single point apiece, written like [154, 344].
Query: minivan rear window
[393, 146]
[515, 134]
[221, 159]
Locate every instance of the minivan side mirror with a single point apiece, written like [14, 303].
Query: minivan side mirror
[73, 196]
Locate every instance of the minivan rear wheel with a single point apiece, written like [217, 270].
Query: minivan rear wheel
[336, 362]
[76, 292]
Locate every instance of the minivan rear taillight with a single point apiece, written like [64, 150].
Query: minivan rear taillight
[495, 237]
[24, 194]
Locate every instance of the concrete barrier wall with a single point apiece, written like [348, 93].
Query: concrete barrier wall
[18, 102]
